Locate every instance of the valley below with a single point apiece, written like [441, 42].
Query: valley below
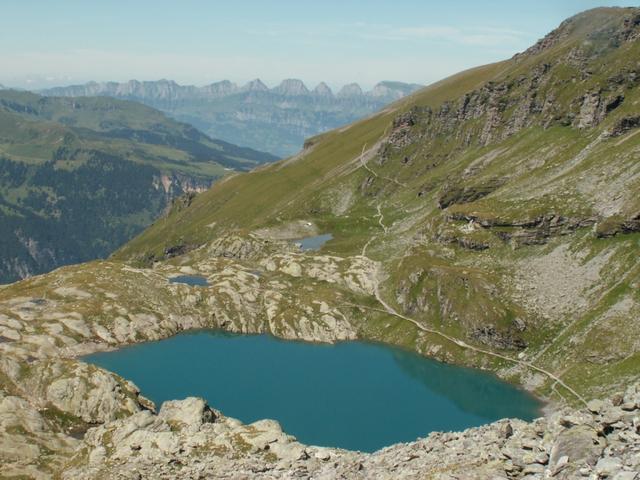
[276, 120]
[79, 177]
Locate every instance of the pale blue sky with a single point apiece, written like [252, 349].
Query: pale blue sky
[45, 42]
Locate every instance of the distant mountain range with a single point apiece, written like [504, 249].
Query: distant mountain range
[276, 120]
[80, 176]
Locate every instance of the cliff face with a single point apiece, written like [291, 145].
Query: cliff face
[276, 120]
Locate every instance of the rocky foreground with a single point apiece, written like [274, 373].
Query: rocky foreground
[187, 439]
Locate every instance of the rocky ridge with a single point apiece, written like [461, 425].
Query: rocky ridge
[169, 90]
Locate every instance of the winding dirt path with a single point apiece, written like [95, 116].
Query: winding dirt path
[392, 311]
[373, 172]
[381, 219]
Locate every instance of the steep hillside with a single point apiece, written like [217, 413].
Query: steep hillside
[78, 177]
[276, 119]
[490, 220]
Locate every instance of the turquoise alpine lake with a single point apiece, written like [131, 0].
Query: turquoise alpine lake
[354, 395]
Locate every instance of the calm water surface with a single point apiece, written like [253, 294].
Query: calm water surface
[313, 243]
[193, 280]
[352, 395]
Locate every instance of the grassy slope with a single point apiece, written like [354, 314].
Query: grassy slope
[34, 126]
[235, 202]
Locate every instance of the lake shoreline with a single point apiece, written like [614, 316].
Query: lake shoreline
[390, 375]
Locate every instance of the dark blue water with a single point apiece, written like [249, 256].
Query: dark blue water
[313, 243]
[192, 280]
[352, 395]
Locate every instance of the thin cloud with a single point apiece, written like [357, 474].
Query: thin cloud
[482, 37]
[478, 36]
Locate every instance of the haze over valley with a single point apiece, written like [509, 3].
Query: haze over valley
[275, 120]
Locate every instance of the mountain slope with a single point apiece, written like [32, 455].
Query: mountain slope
[276, 120]
[501, 203]
[78, 177]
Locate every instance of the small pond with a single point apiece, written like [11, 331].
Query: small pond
[313, 243]
[192, 280]
[353, 395]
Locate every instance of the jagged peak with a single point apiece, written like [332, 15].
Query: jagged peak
[255, 86]
[393, 90]
[222, 83]
[603, 24]
[162, 81]
[291, 87]
[220, 88]
[323, 90]
[382, 90]
[350, 90]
